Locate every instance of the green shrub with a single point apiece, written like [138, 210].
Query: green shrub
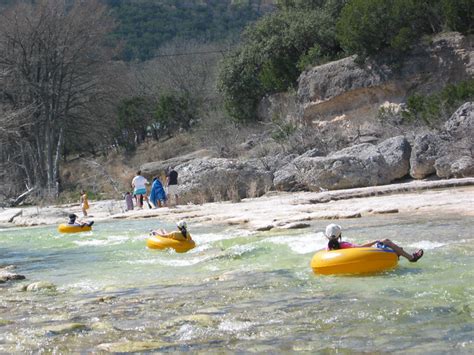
[133, 118]
[174, 112]
[431, 109]
[459, 15]
[275, 50]
[369, 27]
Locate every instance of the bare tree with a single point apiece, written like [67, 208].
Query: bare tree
[51, 65]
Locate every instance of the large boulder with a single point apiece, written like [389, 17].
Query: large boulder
[396, 152]
[360, 165]
[461, 124]
[458, 167]
[456, 152]
[159, 168]
[216, 179]
[424, 153]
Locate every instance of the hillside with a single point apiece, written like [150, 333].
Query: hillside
[338, 139]
[145, 26]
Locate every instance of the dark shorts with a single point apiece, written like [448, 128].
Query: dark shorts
[381, 245]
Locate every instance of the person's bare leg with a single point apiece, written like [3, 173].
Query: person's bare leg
[397, 249]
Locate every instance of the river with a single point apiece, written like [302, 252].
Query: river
[237, 291]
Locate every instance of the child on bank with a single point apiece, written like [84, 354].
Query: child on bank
[84, 203]
[128, 201]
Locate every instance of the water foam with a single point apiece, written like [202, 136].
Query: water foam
[301, 244]
[111, 240]
[427, 245]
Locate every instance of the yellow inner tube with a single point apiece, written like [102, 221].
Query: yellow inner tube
[160, 242]
[353, 261]
[67, 228]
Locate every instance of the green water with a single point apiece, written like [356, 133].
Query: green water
[237, 291]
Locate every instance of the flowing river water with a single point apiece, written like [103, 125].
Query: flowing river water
[237, 291]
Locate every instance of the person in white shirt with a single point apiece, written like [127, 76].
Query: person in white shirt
[139, 189]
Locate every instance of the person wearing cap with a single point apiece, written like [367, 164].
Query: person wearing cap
[334, 234]
[181, 234]
[73, 221]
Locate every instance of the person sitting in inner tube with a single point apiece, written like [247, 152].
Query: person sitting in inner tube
[333, 233]
[181, 234]
[73, 221]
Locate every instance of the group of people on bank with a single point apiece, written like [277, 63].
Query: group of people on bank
[159, 195]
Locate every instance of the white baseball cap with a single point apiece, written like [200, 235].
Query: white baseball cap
[182, 224]
[333, 231]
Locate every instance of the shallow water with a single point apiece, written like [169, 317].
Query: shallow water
[237, 291]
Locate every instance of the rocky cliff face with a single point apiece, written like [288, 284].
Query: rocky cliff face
[345, 96]
[343, 92]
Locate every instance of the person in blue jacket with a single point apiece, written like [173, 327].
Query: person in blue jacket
[157, 194]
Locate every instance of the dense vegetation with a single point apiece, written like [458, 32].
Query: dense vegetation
[277, 48]
[430, 109]
[146, 25]
[367, 27]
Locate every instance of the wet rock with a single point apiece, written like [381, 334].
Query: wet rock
[39, 285]
[7, 275]
[132, 346]
[65, 328]
[384, 211]
[264, 228]
[106, 298]
[4, 322]
[102, 326]
[204, 320]
[295, 225]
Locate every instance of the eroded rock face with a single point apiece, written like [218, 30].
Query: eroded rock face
[448, 166]
[424, 153]
[223, 179]
[344, 87]
[158, 168]
[360, 165]
[455, 158]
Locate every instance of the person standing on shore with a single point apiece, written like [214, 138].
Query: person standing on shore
[157, 194]
[139, 189]
[128, 201]
[172, 184]
[84, 203]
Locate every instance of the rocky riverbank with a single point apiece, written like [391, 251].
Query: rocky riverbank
[278, 209]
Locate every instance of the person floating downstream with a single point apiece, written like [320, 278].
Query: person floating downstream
[73, 221]
[181, 234]
[334, 235]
